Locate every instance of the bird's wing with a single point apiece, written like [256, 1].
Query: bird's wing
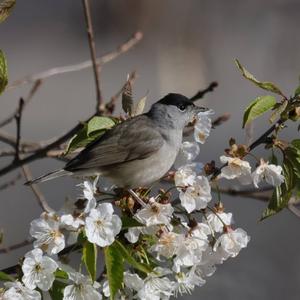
[136, 138]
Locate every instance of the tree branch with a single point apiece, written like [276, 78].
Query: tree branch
[250, 193]
[33, 90]
[5, 250]
[257, 142]
[18, 118]
[36, 191]
[202, 93]
[10, 183]
[90, 33]
[41, 152]
[123, 48]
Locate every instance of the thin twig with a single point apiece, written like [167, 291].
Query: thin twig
[257, 142]
[13, 269]
[251, 193]
[90, 33]
[202, 93]
[11, 140]
[43, 151]
[5, 250]
[123, 48]
[37, 192]
[10, 183]
[33, 90]
[18, 118]
[220, 120]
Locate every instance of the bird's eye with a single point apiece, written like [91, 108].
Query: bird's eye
[182, 107]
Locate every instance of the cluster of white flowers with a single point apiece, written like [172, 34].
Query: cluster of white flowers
[51, 232]
[186, 239]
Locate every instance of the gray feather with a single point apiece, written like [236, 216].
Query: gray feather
[135, 139]
[49, 176]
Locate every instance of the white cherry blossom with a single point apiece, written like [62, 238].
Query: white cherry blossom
[186, 282]
[89, 189]
[197, 195]
[81, 289]
[189, 251]
[133, 281]
[133, 233]
[38, 270]
[187, 153]
[156, 286]
[236, 168]
[71, 222]
[155, 213]
[168, 244]
[232, 241]
[214, 220]
[184, 176]
[203, 126]
[272, 174]
[17, 291]
[47, 234]
[102, 225]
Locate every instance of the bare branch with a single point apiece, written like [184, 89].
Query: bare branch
[250, 193]
[11, 140]
[262, 139]
[33, 90]
[18, 118]
[37, 192]
[15, 246]
[123, 48]
[90, 33]
[220, 120]
[202, 93]
[10, 183]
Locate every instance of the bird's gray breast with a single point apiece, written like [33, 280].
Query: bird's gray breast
[143, 172]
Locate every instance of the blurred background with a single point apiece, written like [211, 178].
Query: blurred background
[186, 45]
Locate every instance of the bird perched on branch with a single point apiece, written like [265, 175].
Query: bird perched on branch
[138, 151]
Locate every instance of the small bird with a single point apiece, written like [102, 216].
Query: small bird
[138, 151]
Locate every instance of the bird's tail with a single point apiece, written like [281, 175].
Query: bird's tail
[49, 176]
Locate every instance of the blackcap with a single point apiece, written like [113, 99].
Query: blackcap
[138, 151]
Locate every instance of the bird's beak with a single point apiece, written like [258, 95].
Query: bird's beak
[198, 109]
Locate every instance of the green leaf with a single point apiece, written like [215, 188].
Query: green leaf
[114, 263]
[297, 91]
[3, 72]
[89, 257]
[5, 277]
[279, 109]
[292, 155]
[130, 259]
[128, 222]
[282, 193]
[5, 9]
[258, 107]
[61, 274]
[90, 131]
[57, 290]
[98, 124]
[269, 86]
[296, 144]
[273, 159]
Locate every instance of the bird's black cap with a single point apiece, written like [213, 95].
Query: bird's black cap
[176, 100]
